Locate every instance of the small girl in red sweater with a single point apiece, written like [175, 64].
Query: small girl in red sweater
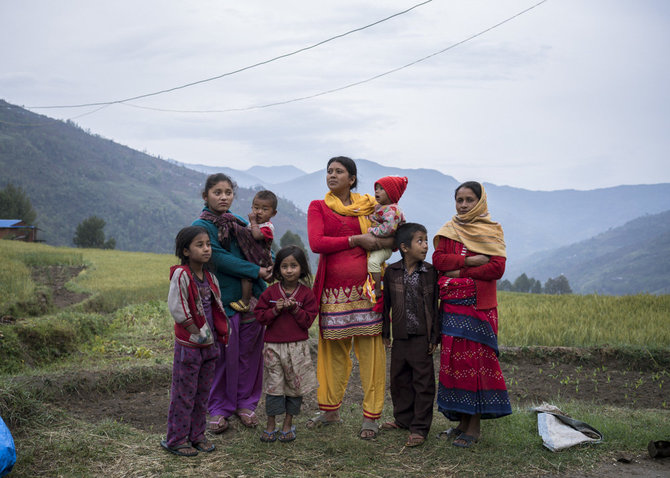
[288, 309]
[194, 301]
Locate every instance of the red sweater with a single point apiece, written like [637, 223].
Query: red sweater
[448, 257]
[287, 325]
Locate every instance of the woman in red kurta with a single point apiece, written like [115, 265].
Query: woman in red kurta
[337, 228]
[470, 252]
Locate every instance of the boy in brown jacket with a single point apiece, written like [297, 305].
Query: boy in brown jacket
[411, 311]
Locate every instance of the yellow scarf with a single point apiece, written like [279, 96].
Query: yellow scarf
[361, 205]
[475, 230]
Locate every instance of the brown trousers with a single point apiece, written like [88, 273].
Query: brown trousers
[412, 384]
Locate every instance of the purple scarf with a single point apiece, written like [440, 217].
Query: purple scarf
[229, 226]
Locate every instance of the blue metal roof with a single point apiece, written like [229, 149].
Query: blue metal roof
[9, 222]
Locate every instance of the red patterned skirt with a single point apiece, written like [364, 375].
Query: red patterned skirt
[471, 381]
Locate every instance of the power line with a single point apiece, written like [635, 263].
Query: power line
[350, 85]
[255, 65]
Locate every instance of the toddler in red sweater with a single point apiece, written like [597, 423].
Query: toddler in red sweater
[288, 309]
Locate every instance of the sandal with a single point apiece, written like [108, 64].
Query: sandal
[177, 450]
[239, 306]
[390, 426]
[217, 424]
[450, 434]
[287, 436]
[269, 437]
[415, 440]
[320, 421]
[368, 426]
[247, 417]
[204, 445]
[468, 440]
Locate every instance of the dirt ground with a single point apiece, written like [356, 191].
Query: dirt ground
[602, 377]
[55, 278]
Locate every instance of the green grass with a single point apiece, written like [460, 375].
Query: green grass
[62, 445]
[584, 320]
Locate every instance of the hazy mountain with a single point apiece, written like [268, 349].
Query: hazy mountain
[70, 175]
[275, 174]
[532, 220]
[254, 177]
[624, 260]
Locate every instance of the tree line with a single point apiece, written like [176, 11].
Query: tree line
[556, 285]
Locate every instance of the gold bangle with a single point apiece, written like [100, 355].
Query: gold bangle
[351, 243]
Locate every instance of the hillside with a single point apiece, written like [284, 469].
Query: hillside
[70, 174]
[629, 259]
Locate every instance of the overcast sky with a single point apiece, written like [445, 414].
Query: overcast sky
[571, 94]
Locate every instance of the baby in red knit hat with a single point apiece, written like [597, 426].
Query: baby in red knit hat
[385, 220]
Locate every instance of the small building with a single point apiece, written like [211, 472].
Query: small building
[18, 230]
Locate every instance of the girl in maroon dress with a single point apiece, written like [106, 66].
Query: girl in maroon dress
[470, 252]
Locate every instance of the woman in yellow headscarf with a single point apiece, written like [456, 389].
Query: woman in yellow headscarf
[337, 229]
[470, 253]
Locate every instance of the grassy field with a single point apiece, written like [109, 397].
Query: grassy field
[121, 337]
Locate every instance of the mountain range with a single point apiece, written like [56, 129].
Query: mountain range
[533, 221]
[70, 174]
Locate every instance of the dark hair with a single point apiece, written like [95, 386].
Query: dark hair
[405, 233]
[474, 185]
[214, 179]
[265, 195]
[300, 257]
[349, 165]
[184, 239]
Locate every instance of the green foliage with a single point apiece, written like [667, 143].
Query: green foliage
[521, 284]
[558, 285]
[90, 234]
[505, 285]
[15, 204]
[535, 286]
[39, 341]
[289, 238]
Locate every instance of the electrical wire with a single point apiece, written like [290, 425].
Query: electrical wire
[239, 70]
[350, 85]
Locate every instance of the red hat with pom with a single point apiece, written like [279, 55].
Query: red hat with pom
[394, 186]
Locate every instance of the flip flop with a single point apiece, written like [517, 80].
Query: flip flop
[269, 437]
[204, 446]
[248, 419]
[450, 434]
[415, 440]
[177, 449]
[468, 440]
[390, 426]
[217, 424]
[320, 421]
[287, 436]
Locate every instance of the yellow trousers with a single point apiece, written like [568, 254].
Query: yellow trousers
[334, 368]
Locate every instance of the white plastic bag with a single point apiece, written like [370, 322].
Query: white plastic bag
[559, 431]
